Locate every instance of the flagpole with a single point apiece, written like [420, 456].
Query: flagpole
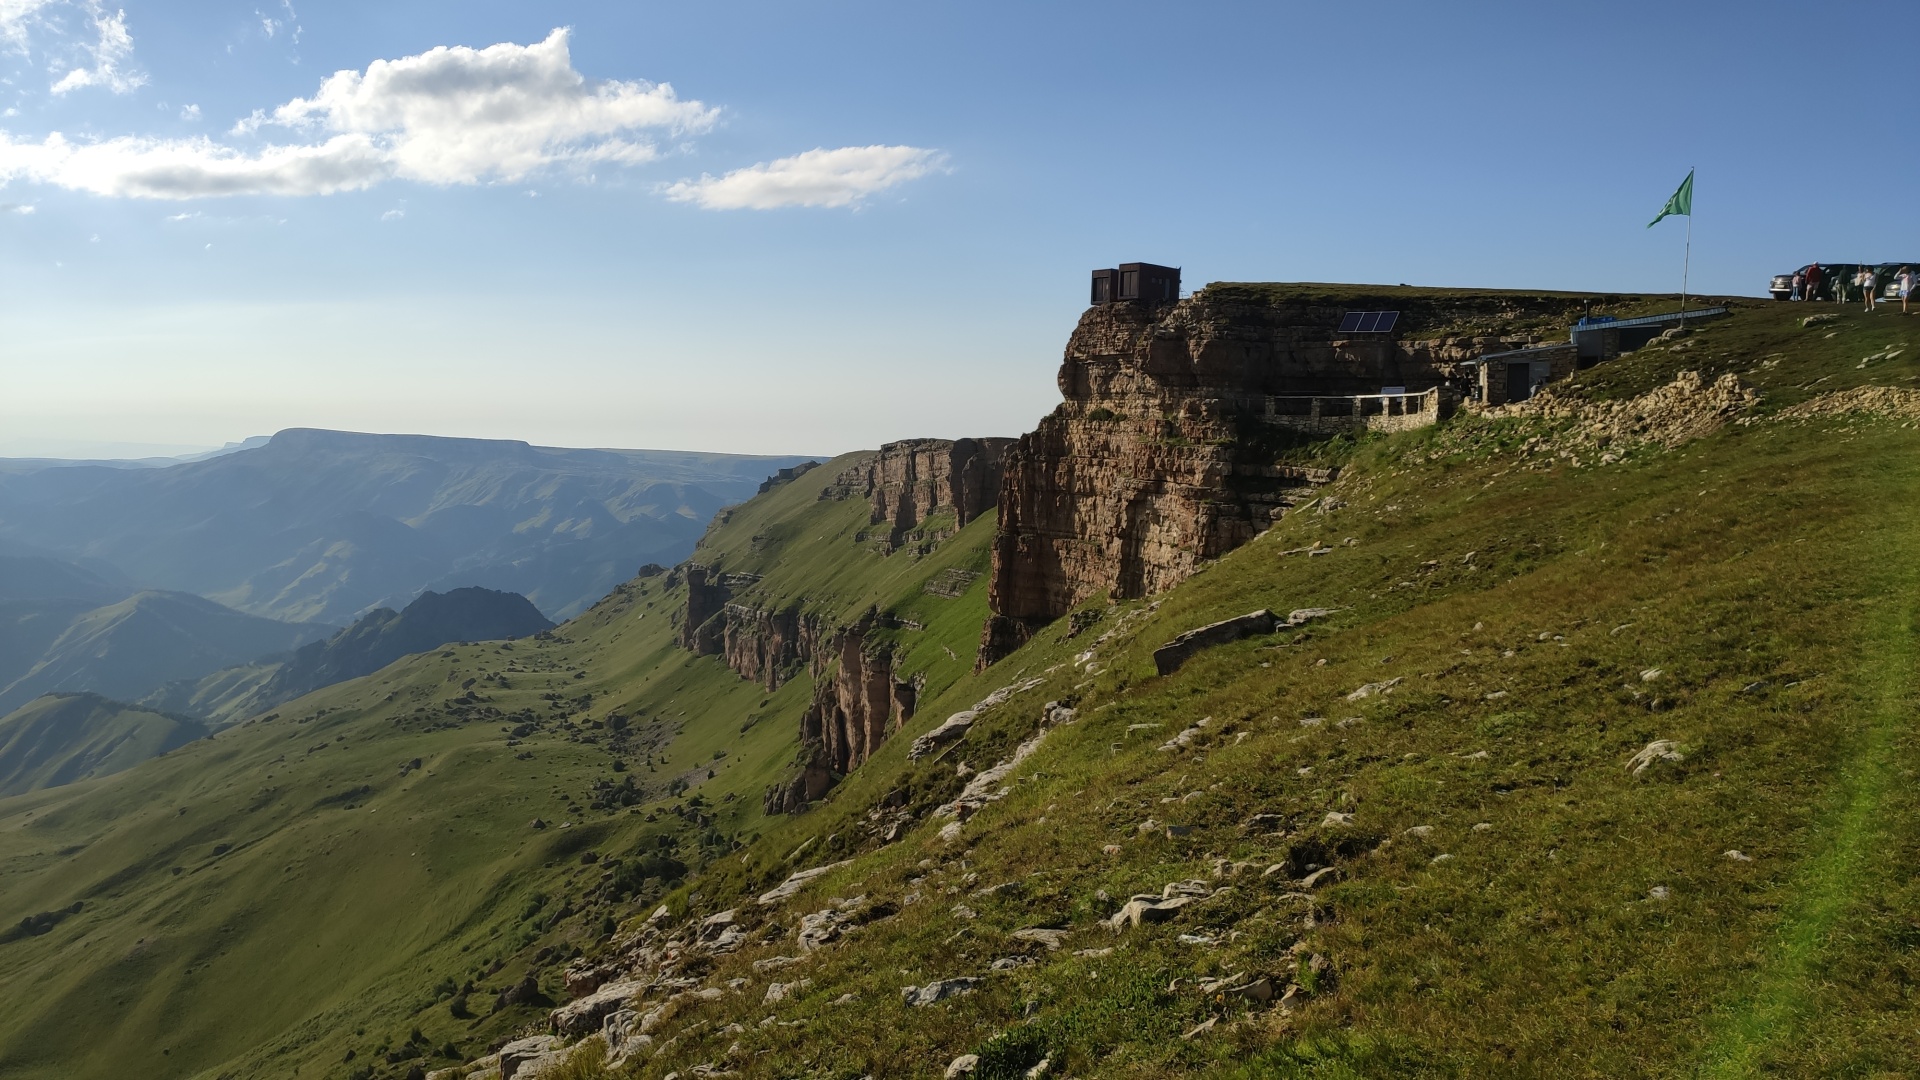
[1686, 265]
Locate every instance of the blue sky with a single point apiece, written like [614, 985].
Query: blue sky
[847, 222]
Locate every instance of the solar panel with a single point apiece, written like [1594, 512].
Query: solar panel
[1369, 322]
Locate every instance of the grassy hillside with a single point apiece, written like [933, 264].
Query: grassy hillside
[360, 863]
[1509, 894]
[63, 738]
[375, 640]
[1420, 818]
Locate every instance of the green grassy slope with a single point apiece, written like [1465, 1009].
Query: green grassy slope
[61, 738]
[1509, 898]
[322, 880]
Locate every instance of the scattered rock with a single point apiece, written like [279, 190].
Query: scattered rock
[577, 1018]
[1483, 826]
[1147, 909]
[1654, 752]
[940, 990]
[778, 992]
[1168, 658]
[1336, 818]
[985, 788]
[1373, 688]
[1202, 1028]
[1421, 831]
[521, 1057]
[956, 726]
[795, 882]
[964, 1065]
[1041, 935]
[1738, 856]
[1185, 738]
[1258, 989]
[1325, 873]
[1659, 892]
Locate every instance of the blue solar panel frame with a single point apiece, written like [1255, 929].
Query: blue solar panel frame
[1369, 322]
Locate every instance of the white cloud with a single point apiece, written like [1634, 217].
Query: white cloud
[393, 215]
[447, 116]
[23, 208]
[17, 18]
[110, 54]
[191, 112]
[830, 178]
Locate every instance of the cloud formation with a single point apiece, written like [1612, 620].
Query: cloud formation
[447, 116]
[827, 178]
[110, 53]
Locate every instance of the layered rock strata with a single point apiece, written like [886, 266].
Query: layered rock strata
[910, 481]
[859, 701]
[1161, 455]
[860, 697]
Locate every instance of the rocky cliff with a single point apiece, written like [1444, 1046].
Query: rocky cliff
[910, 481]
[1160, 456]
[859, 700]
[860, 697]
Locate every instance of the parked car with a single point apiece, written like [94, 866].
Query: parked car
[1837, 281]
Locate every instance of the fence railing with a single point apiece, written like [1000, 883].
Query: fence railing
[1352, 407]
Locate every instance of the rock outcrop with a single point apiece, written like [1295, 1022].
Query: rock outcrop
[1161, 455]
[910, 481]
[860, 698]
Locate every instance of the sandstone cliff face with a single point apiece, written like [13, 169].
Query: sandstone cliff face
[1157, 459]
[910, 481]
[859, 701]
[860, 697]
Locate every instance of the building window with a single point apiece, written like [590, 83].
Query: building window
[1129, 284]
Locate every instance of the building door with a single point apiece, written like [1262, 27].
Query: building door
[1519, 381]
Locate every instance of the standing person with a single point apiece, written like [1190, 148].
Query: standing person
[1905, 278]
[1869, 284]
[1799, 281]
[1813, 281]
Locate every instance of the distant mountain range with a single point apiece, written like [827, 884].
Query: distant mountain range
[324, 526]
[376, 640]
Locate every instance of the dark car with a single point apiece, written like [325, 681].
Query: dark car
[1838, 281]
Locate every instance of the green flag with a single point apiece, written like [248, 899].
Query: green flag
[1681, 203]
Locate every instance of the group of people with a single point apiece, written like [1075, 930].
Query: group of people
[1807, 284]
